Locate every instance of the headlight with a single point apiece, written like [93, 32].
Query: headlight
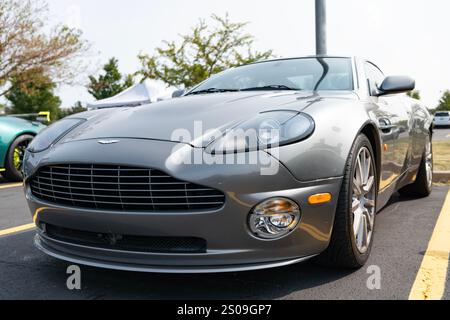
[52, 134]
[267, 130]
[274, 218]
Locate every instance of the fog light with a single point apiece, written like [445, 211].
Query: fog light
[274, 218]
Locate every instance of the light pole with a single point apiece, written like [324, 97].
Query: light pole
[321, 27]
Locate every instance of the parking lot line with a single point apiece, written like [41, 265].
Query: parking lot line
[11, 185]
[431, 278]
[25, 227]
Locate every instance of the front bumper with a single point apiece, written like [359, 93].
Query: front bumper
[230, 245]
[441, 123]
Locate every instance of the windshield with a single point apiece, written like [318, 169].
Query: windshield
[294, 74]
[442, 114]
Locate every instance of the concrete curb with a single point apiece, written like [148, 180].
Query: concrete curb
[441, 177]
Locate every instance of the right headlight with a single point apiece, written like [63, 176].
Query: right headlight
[52, 134]
[267, 130]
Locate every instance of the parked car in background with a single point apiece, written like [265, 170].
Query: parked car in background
[16, 133]
[442, 119]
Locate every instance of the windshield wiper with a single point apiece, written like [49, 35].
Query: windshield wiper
[263, 88]
[272, 87]
[212, 90]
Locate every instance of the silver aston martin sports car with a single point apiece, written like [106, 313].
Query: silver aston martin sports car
[260, 166]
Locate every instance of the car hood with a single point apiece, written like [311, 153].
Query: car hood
[186, 119]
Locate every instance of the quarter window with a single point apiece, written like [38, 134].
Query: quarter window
[374, 77]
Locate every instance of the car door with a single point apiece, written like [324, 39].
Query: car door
[394, 123]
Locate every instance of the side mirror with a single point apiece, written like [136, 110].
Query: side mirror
[397, 84]
[178, 93]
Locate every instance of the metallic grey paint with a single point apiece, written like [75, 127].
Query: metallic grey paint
[316, 165]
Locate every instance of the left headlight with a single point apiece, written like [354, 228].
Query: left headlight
[52, 134]
[267, 130]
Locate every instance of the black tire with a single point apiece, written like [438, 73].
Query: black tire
[342, 251]
[13, 173]
[423, 186]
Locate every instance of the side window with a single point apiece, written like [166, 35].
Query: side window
[374, 77]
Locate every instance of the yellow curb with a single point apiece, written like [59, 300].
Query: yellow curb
[432, 276]
[26, 227]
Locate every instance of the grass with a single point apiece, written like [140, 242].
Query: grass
[441, 151]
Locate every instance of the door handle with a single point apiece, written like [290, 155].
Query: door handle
[386, 126]
[387, 129]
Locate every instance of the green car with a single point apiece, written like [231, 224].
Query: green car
[16, 133]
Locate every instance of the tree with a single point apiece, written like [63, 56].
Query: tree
[26, 44]
[34, 96]
[77, 108]
[110, 83]
[204, 52]
[444, 103]
[415, 94]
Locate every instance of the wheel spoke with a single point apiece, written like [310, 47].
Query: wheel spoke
[355, 206]
[369, 218]
[358, 217]
[367, 165]
[360, 173]
[365, 231]
[360, 239]
[369, 185]
[357, 188]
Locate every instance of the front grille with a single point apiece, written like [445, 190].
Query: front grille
[107, 187]
[175, 245]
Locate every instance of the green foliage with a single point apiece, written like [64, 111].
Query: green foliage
[110, 83]
[34, 96]
[77, 108]
[444, 103]
[204, 52]
[415, 94]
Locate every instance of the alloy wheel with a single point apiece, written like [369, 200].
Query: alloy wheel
[19, 153]
[363, 200]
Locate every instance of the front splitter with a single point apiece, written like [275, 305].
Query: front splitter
[162, 269]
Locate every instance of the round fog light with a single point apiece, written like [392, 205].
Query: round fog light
[274, 218]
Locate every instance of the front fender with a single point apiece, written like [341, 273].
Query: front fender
[324, 155]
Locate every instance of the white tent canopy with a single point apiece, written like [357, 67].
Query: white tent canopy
[149, 91]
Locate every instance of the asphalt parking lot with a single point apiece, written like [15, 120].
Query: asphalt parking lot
[404, 230]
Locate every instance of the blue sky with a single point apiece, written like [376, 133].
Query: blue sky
[401, 36]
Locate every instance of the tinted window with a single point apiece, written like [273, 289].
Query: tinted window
[442, 114]
[302, 74]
